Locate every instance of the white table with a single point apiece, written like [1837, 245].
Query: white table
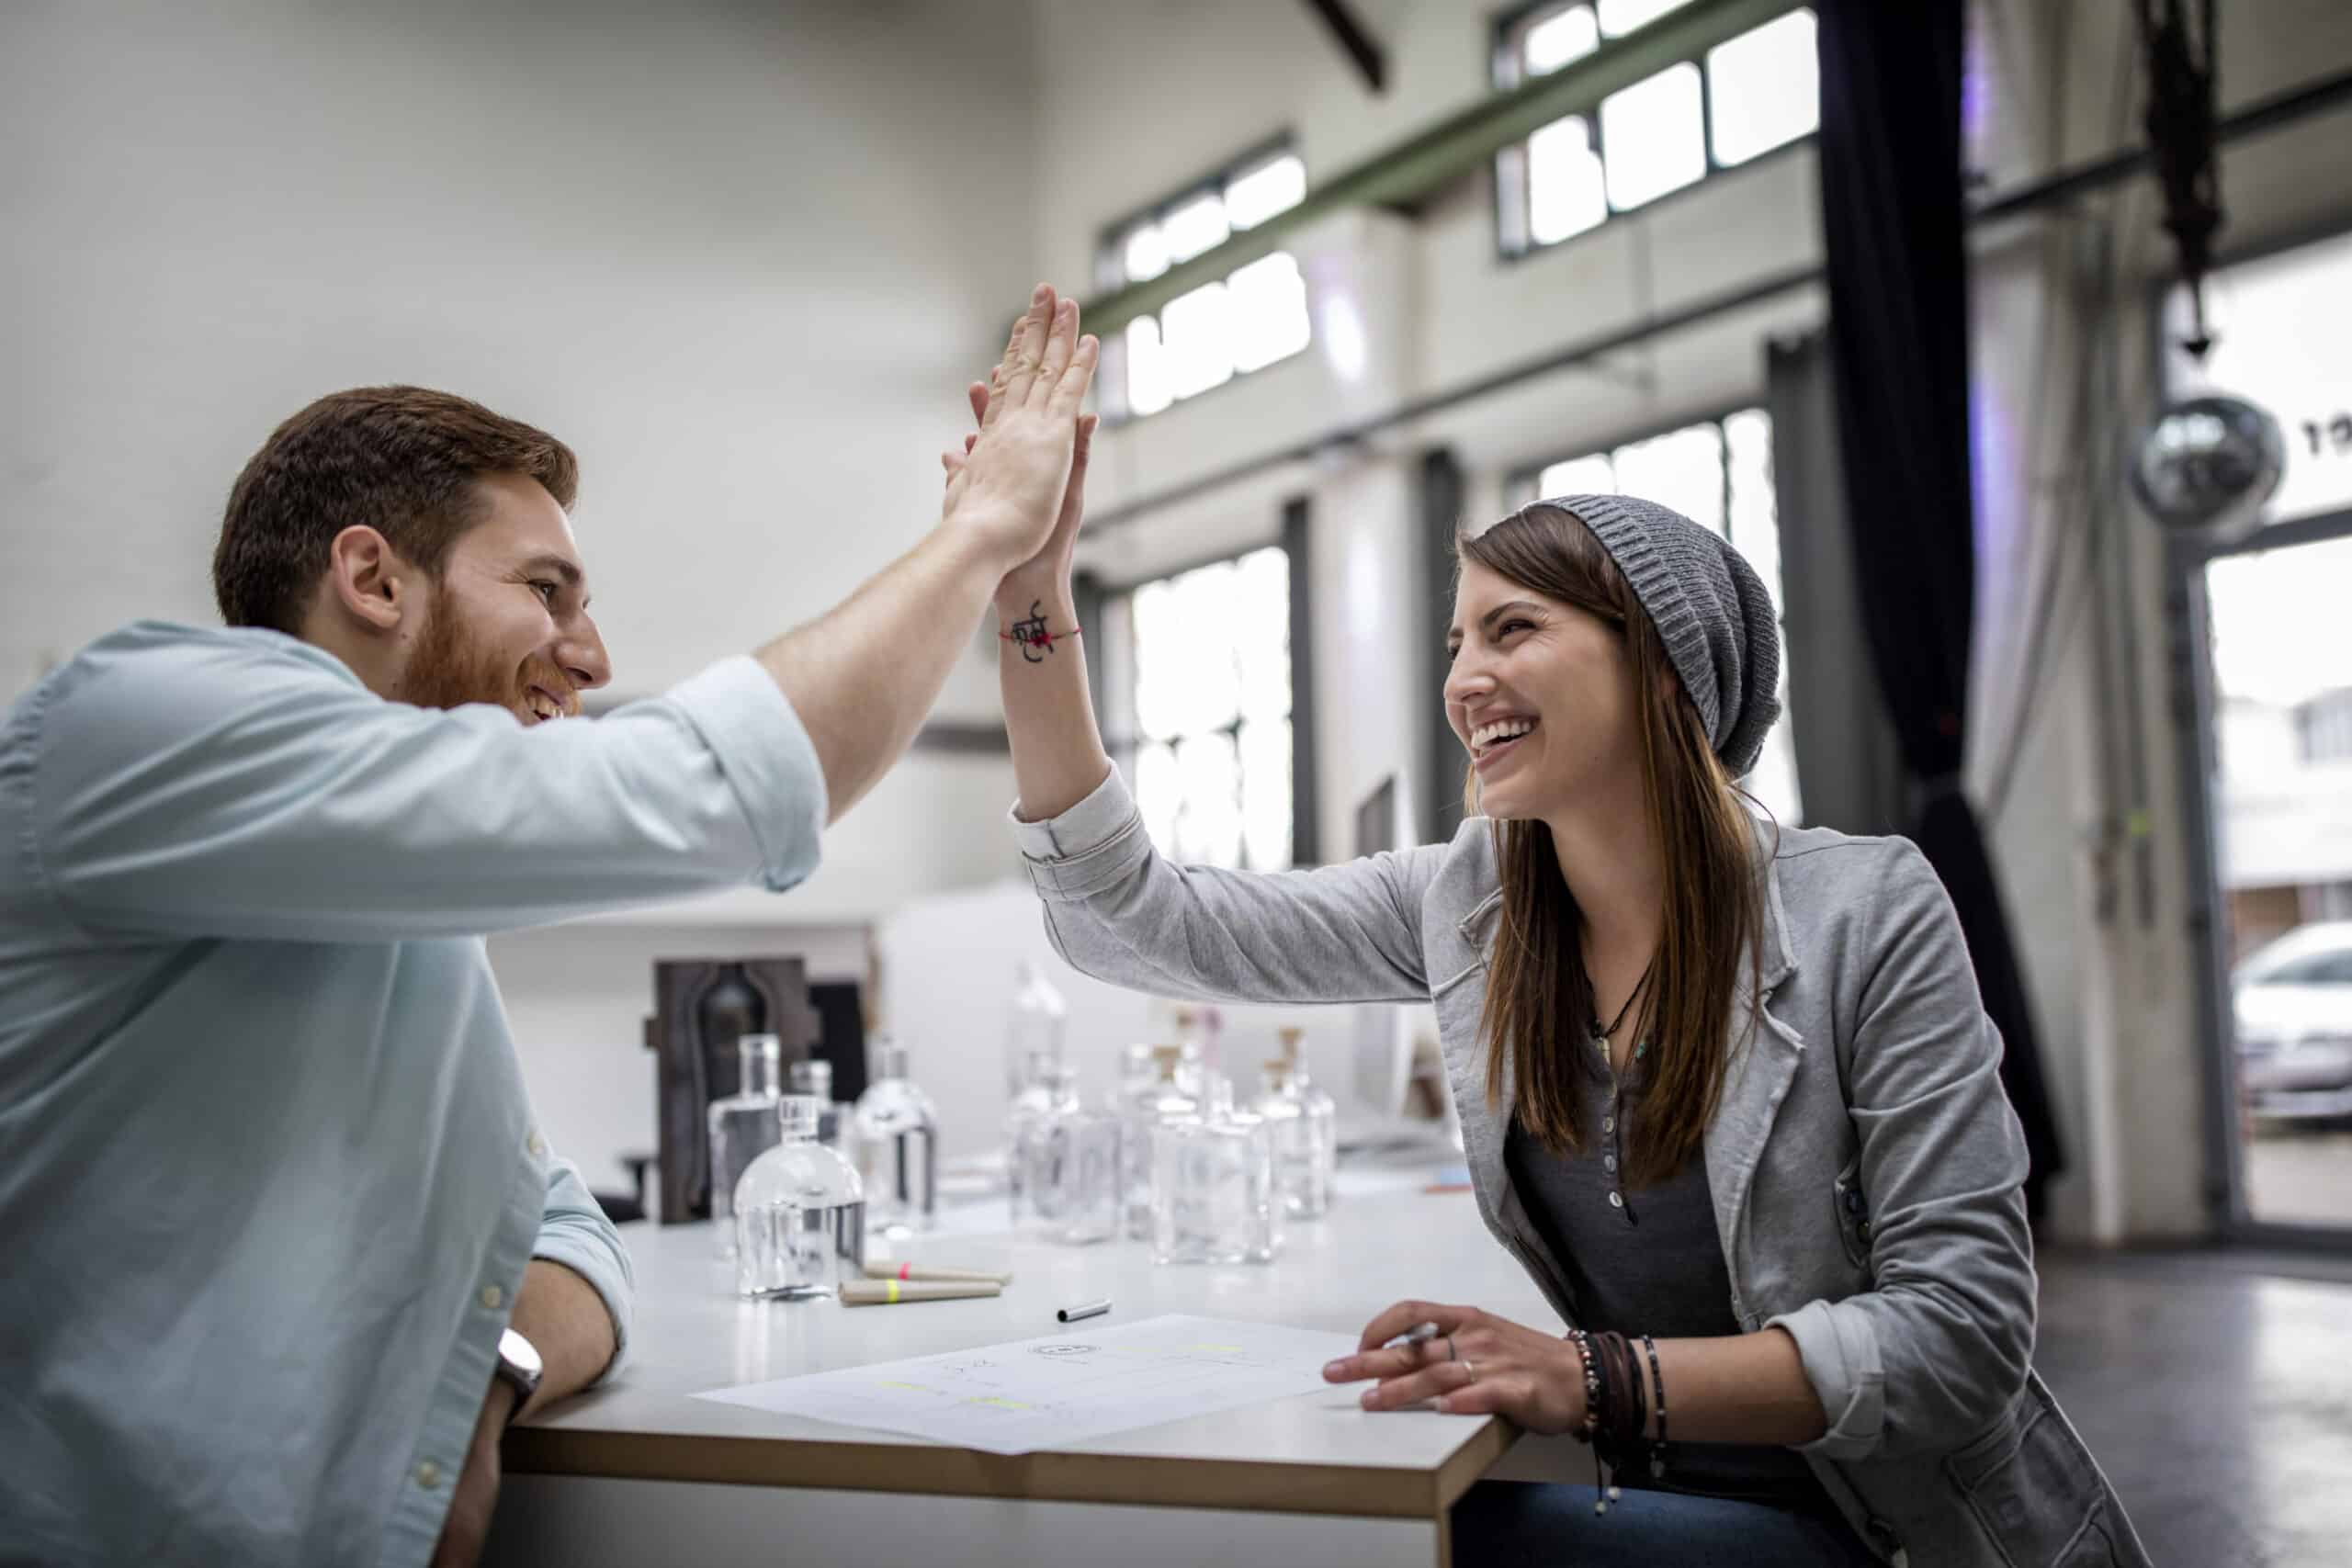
[639, 1472]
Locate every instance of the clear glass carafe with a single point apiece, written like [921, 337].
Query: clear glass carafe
[1303, 1122]
[799, 1213]
[1076, 1176]
[1213, 1194]
[1038, 1020]
[898, 1146]
[742, 1127]
[1048, 1090]
[1161, 1099]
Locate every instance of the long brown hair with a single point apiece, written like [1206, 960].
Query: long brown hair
[1539, 999]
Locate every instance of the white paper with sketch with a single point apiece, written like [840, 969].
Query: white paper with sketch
[1052, 1391]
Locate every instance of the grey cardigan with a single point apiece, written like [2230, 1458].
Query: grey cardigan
[1865, 1165]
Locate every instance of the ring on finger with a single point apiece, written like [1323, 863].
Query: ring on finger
[1450, 1353]
[1469, 1374]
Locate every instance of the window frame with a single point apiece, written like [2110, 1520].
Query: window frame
[1527, 472]
[1110, 274]
[1501, 50]
[1122, 738]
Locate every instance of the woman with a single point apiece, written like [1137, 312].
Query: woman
[1727, 1093]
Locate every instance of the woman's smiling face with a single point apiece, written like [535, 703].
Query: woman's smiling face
[1539, 691]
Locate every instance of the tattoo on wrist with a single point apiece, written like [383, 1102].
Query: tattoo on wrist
[1030, 634]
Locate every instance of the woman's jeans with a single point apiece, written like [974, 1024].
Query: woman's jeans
[1506, 1524]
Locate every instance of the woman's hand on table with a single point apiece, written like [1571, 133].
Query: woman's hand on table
[1477, 1365]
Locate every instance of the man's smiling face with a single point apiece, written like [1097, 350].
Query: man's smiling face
[508, 622]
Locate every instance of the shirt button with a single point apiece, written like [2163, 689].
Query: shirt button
[1616, 1201]
[537, 1145]
[1609, 1162]
[1609, 1123]
[493, 1298]
[428, 1475]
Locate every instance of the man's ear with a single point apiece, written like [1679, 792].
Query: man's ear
[369, 579]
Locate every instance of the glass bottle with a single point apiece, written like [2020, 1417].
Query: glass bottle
[898, 1146]
[1163, 1099]
[1076, 1175]
[1213, 1194]
[1302, 1122]
[1137, 1075]
[742, 1127]
[1038, 1023]
[1197, 1031]
[799, 1213]
[1048, 1087]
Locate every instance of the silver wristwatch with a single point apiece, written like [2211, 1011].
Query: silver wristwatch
[519, 1365]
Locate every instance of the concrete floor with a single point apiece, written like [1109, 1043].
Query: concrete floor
[2299, 1176]
[2215, 1388]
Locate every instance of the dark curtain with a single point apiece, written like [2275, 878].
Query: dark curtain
[1893, 229]
[1849, 765]
[1440, 766]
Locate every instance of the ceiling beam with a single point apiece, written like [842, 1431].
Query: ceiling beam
[1355, 40]
[1455, 146]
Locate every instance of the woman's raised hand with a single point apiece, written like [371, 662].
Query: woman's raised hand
[1011, 489]
[1476, 1365]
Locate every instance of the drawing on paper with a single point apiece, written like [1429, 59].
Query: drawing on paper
[1064, 1392]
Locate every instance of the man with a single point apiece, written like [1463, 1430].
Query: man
[285, 1252]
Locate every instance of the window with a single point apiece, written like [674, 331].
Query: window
[1201, 660]
[2281, 338]
[1718, 473]
[1229, 327]
[1748, 95]
[2325, 726]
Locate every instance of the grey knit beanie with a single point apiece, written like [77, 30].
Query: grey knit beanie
[1711, 611]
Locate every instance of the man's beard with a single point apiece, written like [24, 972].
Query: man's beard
[448, 669]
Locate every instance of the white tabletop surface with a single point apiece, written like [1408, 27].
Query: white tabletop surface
[693, 1334]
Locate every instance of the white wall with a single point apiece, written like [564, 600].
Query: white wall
[742, 257]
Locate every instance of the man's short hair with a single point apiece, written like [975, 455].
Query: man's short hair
[403, 460]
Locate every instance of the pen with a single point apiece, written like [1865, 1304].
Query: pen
[890, 1292]
[1418, 1334]
[1084, 1309]
[880, 1269]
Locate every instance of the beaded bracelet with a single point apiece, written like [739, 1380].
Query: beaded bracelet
[1595, 1400]
[1658, 1449]
[1583, 1343]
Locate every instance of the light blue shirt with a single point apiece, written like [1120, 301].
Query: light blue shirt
[269, 1175]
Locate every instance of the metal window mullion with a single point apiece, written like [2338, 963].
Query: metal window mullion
[1723, 476]
[1707, 117]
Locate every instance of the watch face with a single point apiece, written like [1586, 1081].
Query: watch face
[519, 1352]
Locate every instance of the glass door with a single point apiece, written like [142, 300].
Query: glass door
[2278, 741]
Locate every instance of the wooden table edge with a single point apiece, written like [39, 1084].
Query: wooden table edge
[1143, 1480]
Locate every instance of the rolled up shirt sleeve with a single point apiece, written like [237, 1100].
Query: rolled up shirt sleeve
[255, 789]
[574, 1232]
[1938, 1349]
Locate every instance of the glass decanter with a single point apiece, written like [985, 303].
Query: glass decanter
[799, 1213]
[1049, 1087]
[1304, 1124]
[1213, 1194]
[1039, 1020]
[1161, 1099]
[898, 1146]
[742, 1127]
